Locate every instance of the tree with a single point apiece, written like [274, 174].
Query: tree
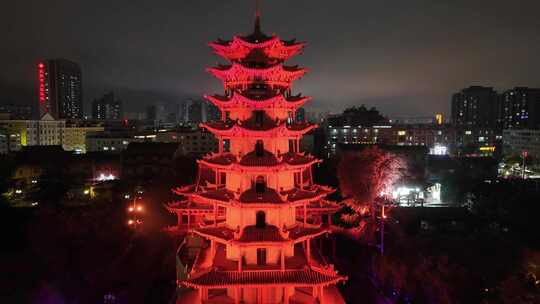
[363, 176]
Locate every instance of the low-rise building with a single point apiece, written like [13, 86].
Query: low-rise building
[113, 142]
[192, 141]
[44, 132]
[515, 142]
[74, 135]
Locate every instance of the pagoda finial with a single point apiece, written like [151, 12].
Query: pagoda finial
[257, 17]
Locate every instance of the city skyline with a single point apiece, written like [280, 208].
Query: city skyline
[403, 58]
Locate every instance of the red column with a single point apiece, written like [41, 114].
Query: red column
[282, 258]
[305, 214]
[215, 215]
[308, 251]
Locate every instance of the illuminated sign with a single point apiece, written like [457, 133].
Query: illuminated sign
[439, 118]
[41, 78]
[401, 133]
[487, 149]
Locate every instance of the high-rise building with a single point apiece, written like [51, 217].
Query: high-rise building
[107, 108]
[195, 112]
[255, 202]
[475, 107]
[520, 108]
[181, 112]
[60, 89]
[156, 113]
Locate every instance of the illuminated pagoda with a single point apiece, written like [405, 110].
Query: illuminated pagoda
[254, 201]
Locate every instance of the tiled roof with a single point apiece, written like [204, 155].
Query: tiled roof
[298, 126]
[256, 234]
[296, 158]
[219, 232]
[299, 231]
[223, 195]
[188, 205]
[251, 159]
[298, 194]
[223, 159]
[220, 125]
[269, 196]
[304, 277]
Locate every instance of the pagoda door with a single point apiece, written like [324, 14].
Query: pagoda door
[261, 219]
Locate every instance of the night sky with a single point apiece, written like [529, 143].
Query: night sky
[404, 57]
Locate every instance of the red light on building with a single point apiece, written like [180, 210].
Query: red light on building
[41, 78]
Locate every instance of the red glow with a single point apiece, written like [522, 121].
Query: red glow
[41, 77]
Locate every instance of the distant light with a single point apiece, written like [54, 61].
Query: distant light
[34, 181]
[103, 177]
[41, 65]
[35, 203]
[127, 196]
[139, 208]
[130, 222]
[18, 191]
[130, 209]
[86, 191]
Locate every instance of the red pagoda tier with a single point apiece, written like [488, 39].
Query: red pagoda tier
[239, 76]
[238, 101]
[255, 205]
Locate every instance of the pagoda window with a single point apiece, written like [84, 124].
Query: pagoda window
[291, 145]
[227, 116]
[260, 219]
[259, 118]
[259, 148]
[260, 185]
[226, 145]
[261, 256]
[223, 178]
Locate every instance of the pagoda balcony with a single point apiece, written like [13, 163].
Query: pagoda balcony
[240, 101]
[267, 236]
[239, 48]
[238, 75]
[252, 199]
[208, 259]
[265, 130]
[216, 271]
[251, 162]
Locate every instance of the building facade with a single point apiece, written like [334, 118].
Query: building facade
[74, 135]
[520, 108]
[475, 107]
[60, 89]
[107, 108]
[518, 141]
[192, 141]
[255, 203]
[44, 132]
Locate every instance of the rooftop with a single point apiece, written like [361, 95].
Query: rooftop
[303, 277]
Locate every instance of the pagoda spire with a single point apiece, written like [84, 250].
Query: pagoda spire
[257, 29]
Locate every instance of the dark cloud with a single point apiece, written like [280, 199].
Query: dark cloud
[405, 57]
